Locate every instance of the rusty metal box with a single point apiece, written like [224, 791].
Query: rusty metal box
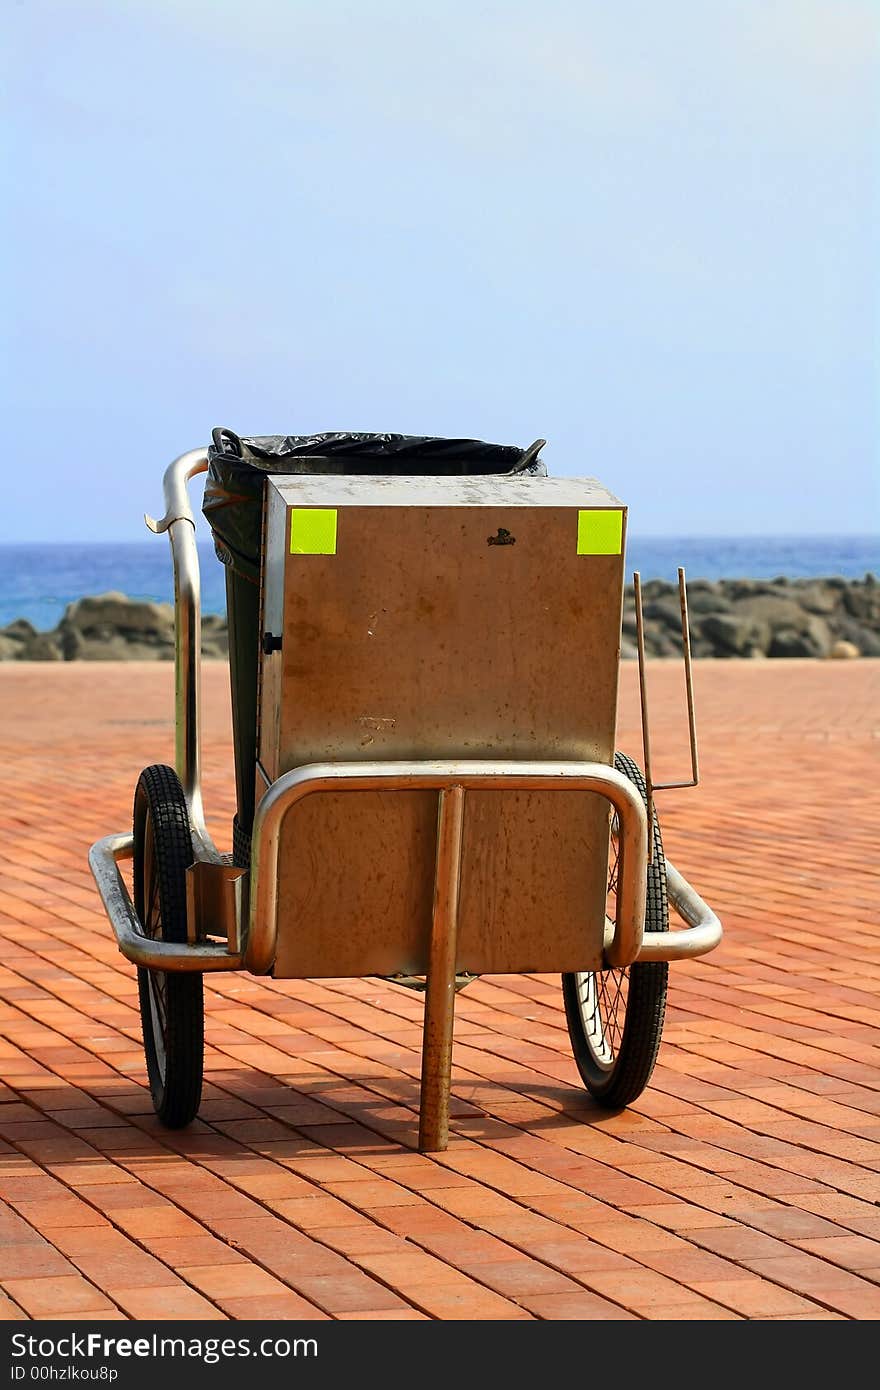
[421, 618]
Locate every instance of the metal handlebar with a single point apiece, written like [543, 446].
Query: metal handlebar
[180, 524]
[174, 482]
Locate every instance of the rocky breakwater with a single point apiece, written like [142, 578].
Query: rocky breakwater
[728, 618]
[760, 618]
[109, 627]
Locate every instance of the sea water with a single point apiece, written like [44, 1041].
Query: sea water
[37, 582]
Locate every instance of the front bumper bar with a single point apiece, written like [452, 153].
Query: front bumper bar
[626, 942]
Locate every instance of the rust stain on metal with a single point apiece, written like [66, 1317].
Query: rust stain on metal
[502, 537]
[377, 722]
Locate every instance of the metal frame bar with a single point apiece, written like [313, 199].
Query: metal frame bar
[625, 943]
[702, 933]
[104, 859]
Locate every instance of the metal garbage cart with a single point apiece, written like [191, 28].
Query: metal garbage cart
[424, 656]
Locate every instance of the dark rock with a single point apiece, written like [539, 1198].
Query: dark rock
[731, 635]
[745, 588]
[663, 610]
[109, 617]
[818, 598]
[215, 637]
[42, 647]
[655, 588]
[787, 642]
[862, 600]
[19, 631]
[847, 629]
[701, 646]
[702, 601]
[659, 643]
[771, 614]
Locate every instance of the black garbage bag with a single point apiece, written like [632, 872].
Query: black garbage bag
[233, 500]
[233, 505]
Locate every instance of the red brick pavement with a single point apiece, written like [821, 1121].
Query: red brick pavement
[744, 1183]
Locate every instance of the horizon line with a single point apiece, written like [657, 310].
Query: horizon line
[632, 535]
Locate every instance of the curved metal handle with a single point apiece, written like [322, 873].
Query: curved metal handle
[180, 524]
[177, 475]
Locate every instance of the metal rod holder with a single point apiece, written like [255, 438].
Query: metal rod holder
[650, 784]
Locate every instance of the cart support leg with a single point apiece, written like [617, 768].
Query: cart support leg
[440, 989]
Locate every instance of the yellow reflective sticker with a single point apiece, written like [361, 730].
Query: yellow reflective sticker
[600, 533]
[312, 531]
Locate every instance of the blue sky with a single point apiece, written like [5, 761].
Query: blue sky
[644, 231]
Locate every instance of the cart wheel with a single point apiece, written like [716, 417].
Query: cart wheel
[615, 1017]
[172, 1004]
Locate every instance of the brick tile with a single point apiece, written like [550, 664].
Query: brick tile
[9, 1311]
[575, 1307]
[579, 1254]
[347, 1293]
[365, 1239]
[179, 1251]
[237, 1280]
[807, 1274]
[756, 1298]
[62, 1211]
[282, 1307]
[627, 1235]
[108, 1315]
[383, 1315]
[703, 1310]
[739, 1243]
[852, 1252]
[462, 1303]
[641, 1290]
[314, 1213]
[517, 1278]
[154, 1222]
[53, 1295]
[24, 1261]
[271, 1240]
[167, 1303]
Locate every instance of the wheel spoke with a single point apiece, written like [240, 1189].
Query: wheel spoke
[159, 1019]
[602, 994]
[612, 1006]
[159, 981]
[613, 869]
